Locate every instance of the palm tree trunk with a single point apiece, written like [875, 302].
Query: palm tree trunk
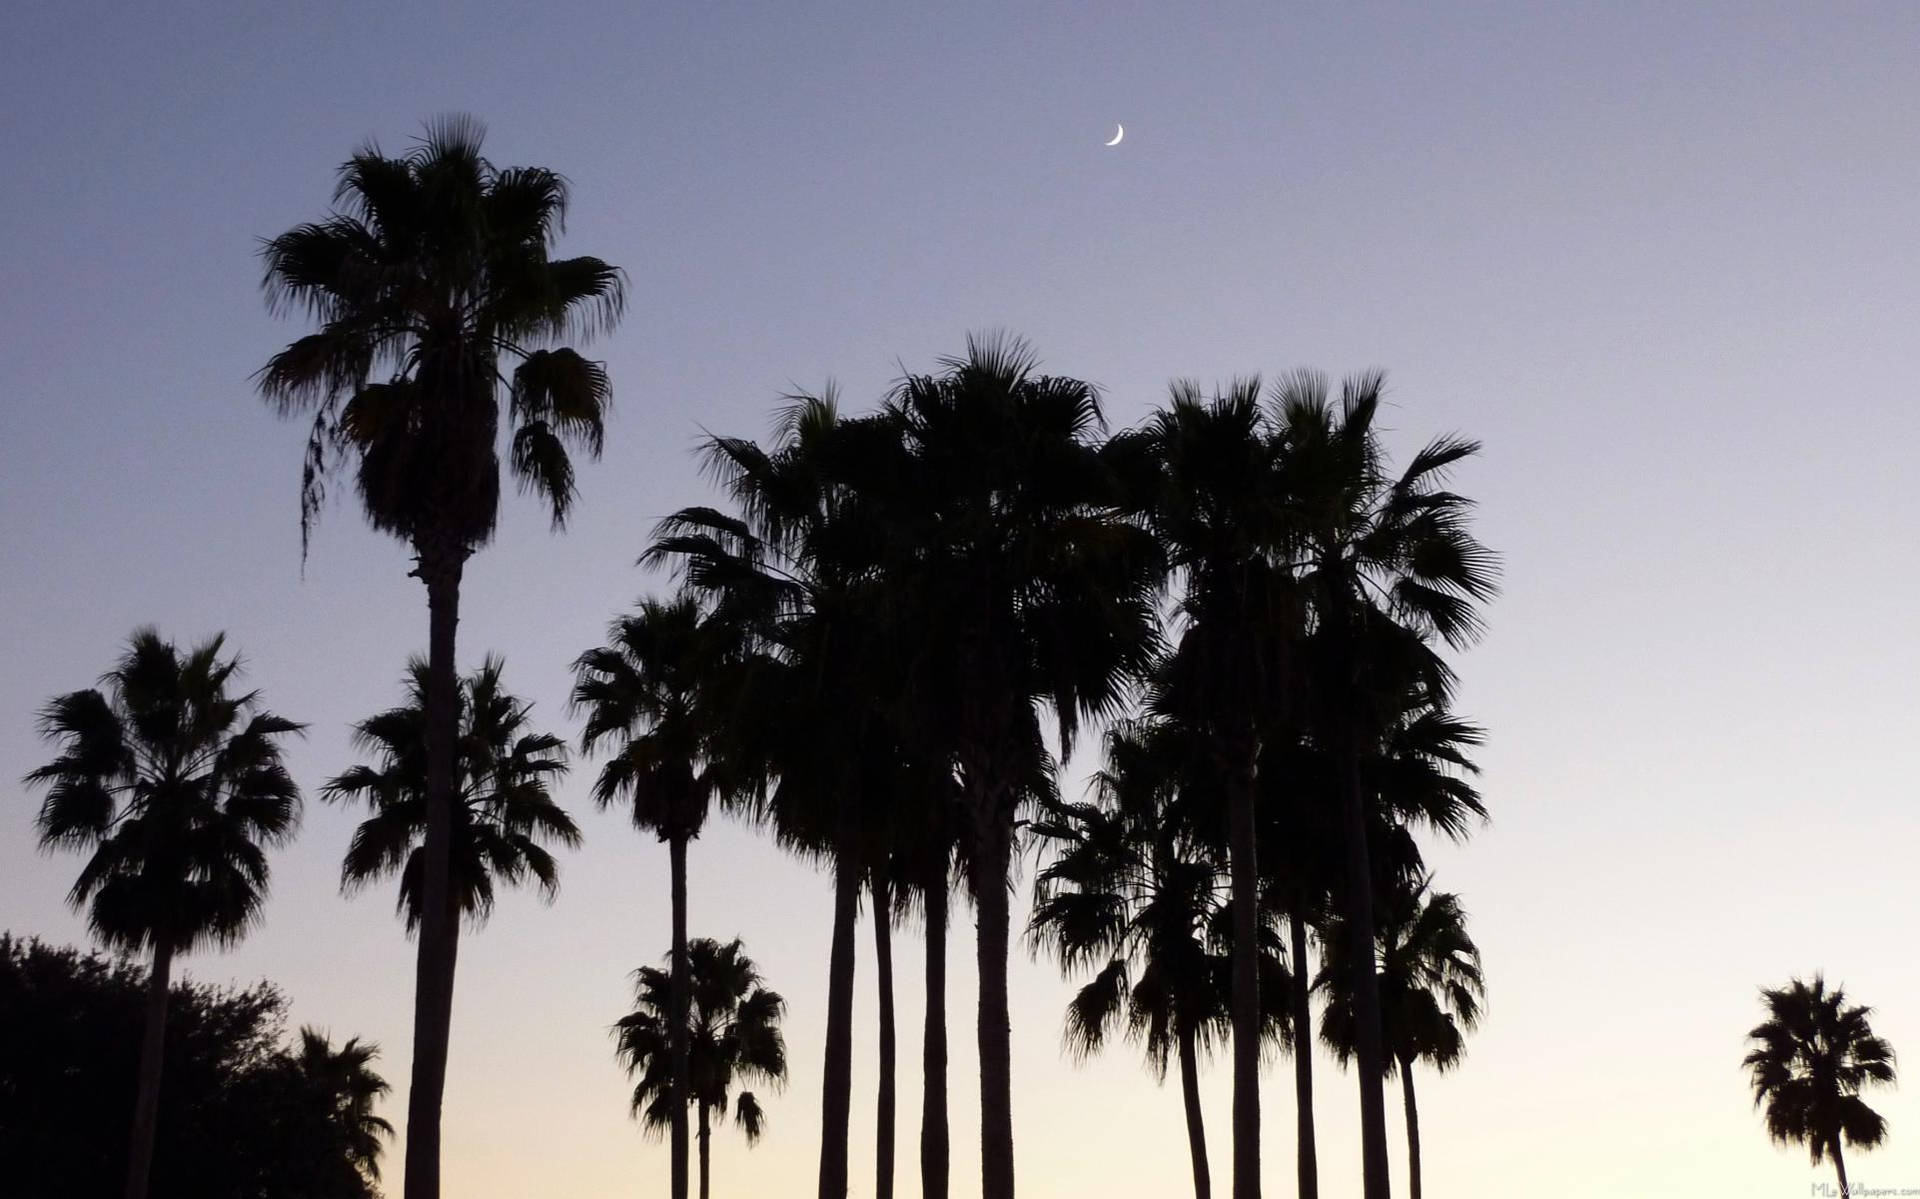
[1840, 1168]
[706, 1145]
[1368, 1050]
[933, 1051]
[883, 971]
[440, 568]
[1196, 1127]
[153, 1044]
[1246, 975]
[1309, 1184]
[837, 1077]
[1413, 1129]
[677, 1031]
[992, 1025]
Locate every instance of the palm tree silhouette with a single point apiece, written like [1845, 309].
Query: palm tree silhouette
[652, 689]
[176, 784]
[732, 1028]
[1387, 563]
[431, 273]
[1208, 482]
[503, 807]
[1812, 1056]
[1131, 891]
[1430, 985]
[346, 1077]
[1025, 590]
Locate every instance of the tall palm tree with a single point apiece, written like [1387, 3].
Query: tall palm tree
[1024, 589]
[430, 277]
[732, 1028]
[1210, 486]
[654, 689]
[1811, 1058]
[798, 569]
[175, 783]
[1431, 991]
[504, 813]
[1388, 562]
[1130, 891]
[347, 1078]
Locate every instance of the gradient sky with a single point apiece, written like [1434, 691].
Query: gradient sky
[1663, 262]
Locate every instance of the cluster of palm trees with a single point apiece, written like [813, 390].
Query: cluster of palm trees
[884, 641]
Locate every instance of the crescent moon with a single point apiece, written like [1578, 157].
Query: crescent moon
[1119, 131]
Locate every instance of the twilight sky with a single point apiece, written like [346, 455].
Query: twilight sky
[1663, 263]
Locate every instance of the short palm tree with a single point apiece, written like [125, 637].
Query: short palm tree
[1387, 564]
[1811, 1058]
[435, 291]
[175, 783]
[732, 1028]
[1431, 991]
[1130, 892]
[347, 1078]
[653, 689]
[504, 814]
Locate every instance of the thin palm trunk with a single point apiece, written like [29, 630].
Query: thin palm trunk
[1368, 1051]
[1196, 1126]
[883, 972]
[992, 1023]
[1840, 1168]
[1309, 1183]
[434, 964]
[1413, 1128]
[677, 1030]
[146, 1102]
[837, 1077]
[933, 1052]
[706, 1144]
[1246, 978]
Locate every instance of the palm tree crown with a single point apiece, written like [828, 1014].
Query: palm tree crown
[346, 1076]
[1812, 1057]
[177, 785]
[503, 812]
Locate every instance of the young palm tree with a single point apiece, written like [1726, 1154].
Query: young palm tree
[1024, 588]
[654, 689]
[1211, 489]
[503, 807]
[732, 1028]
[347, 1077]
[1131, 891]
[1812, 1057]
[1388, 562]
[1431, 990]
[430, 279]
[175, 783]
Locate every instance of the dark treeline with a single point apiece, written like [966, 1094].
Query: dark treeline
[250, 1111]
[886, 638]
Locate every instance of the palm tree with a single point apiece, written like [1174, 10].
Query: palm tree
[346, 1077]
[1130, 890]
[1209, 484]
[1812, 1057]
[175, 783]
[1023, 588]
[1388, 563]
[732, 1028]
[431, 274]
[1431, 991]
[653, 688]
[503, 811]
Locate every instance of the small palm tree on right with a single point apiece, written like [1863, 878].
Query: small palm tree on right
[1812, 1057]
[732, 1034]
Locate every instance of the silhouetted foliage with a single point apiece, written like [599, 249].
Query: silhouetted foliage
[247, 1115]
[1812, 1057]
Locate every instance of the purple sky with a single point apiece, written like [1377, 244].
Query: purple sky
[1663, 263]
